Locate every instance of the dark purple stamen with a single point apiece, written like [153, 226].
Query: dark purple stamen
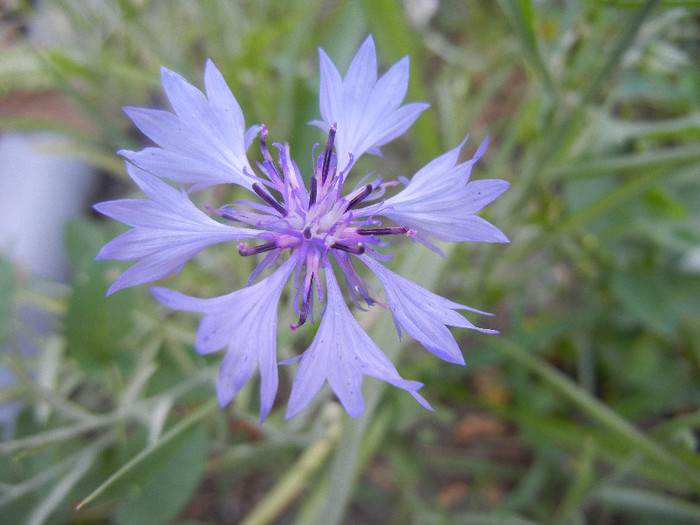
[263, 147]
[325, 167]
[268, 198]
[312, 196]
[302, 317]
[354, 249]
[307, 233]
[357, 199]
[304, 307]
[268, 164]
[384, 231]
[245, 251]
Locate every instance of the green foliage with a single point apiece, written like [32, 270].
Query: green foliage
[166, 480]
[96, 328]
[583, 410]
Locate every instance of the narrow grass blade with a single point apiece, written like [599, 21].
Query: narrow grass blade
[174, 432]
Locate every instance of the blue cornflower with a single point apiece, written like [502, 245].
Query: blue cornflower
[298, 230]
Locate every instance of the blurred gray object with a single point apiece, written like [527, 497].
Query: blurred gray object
[42, 189]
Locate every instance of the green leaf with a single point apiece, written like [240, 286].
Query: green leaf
[663, 204]
[95, 325]
[638, 501]
[645, 298]
[83, 239]
[140, 462]
[171, 476]
[19, 69]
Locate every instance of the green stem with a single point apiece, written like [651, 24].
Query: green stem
[294, 482]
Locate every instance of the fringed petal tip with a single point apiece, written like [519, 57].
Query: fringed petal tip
[367, 109]
[165, 296]
[223, 397]
[422, 401]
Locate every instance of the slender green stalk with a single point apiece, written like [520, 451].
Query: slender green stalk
[43, 439]
[648, 502]
[204, 410]
[62, 487]
[521, 15]
[53, 472]
[577, 489]
[298, 475]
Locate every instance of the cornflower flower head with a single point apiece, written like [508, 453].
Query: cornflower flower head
[297, 229]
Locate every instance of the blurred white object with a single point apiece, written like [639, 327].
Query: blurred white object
[41, 190]
[420, 12]
[691, 262]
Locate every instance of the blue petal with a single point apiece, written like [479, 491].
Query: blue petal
[246, 322]
[342, 353]
[203, 131]
[423, 314]
[440, 202]
[330, 93]
[184, 168]
[168, 230]
[367, 111]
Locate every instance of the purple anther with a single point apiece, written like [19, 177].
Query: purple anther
[245, 251]
[263, 146]
[355, 249]
[385, 231]
[314, 189]
[305, 305]
[362, 195]
[302, 317]
[268, 198]
[325, 167]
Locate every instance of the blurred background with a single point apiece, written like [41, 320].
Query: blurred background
[586, 409]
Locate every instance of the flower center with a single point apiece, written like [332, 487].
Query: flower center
[312, 224]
